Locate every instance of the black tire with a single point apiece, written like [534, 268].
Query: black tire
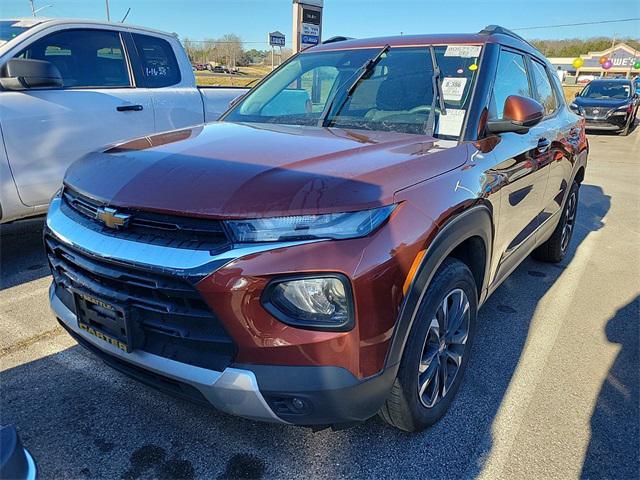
[625, 131]
[406, 408]
[556, 247]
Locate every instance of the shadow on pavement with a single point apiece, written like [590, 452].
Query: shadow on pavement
[615, 440]
[86, 421]
[22, 257]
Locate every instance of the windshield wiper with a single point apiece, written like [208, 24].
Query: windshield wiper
[436, 81]
[352, 81]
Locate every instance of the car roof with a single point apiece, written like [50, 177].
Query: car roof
[32, 22]
[431, 39]
[610, 80]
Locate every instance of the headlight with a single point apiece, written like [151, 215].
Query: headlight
[623, 110]
[574, 106]
[318, 302]
[336, 226]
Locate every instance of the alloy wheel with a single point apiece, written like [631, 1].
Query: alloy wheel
[443, 348]
[569, 220]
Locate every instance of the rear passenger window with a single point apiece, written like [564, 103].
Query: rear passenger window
[511, 79]
[85, 58]
[159, 64]
[543, 88]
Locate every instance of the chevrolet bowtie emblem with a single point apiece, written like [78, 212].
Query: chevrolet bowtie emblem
[111, 218]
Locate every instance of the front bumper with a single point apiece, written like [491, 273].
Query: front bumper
[611, 123]
[303, 395]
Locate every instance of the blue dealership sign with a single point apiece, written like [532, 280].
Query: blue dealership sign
[310, 39]
[276, 39]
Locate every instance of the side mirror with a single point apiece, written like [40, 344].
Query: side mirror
[577, 94]
[23, 74]
[519, 115]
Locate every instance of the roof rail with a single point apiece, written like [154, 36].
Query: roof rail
[338, 38]
[497, 29]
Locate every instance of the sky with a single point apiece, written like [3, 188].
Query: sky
[253, 19]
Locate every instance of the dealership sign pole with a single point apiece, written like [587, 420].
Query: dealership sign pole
[307, 23]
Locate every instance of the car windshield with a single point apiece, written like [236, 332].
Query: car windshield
[395, 95]
[607, 90]
[9, 29]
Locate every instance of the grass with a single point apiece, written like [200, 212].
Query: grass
[248, 75]
[570, 91]
[223, 80]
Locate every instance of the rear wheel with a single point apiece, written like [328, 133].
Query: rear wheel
[556, 247]
[437, 350]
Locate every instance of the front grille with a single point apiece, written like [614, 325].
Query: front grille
[147, 227]
[601, 112]
[170, 317]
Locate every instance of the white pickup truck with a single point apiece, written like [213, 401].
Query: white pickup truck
[68, 87]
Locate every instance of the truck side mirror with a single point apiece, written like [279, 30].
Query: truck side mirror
[23, 74]
[519, 115]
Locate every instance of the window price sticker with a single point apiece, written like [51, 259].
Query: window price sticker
[451, 123]
[464, 51]
[453, 88]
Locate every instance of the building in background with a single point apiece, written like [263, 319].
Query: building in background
[621, 55]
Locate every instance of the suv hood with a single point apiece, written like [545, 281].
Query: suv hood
[230, 170]
[601, 102]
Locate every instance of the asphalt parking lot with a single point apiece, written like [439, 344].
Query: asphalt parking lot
[552, 390]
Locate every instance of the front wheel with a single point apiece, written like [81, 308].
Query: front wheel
[437, 350]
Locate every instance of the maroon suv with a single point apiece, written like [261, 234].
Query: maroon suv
[320, 254]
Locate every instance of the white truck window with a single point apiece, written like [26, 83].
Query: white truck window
[86, 58]
[159, 65]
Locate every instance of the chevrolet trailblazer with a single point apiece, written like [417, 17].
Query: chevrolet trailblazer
[320, 254]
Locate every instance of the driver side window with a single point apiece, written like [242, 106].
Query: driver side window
[85, 58]
[511, 79]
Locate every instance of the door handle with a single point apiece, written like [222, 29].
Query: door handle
[129, 108]
[543, 145]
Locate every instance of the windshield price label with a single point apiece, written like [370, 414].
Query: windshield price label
[464, 51]
[453, 88]
[451, 123]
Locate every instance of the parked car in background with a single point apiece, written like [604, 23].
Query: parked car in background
[608, 104]
[584, 79]
[320, 254]
[68, 87]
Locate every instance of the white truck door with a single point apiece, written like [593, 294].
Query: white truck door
[165, 72]
[46, 130]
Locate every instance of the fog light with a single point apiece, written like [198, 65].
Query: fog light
[298, 404]
[317, 303]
